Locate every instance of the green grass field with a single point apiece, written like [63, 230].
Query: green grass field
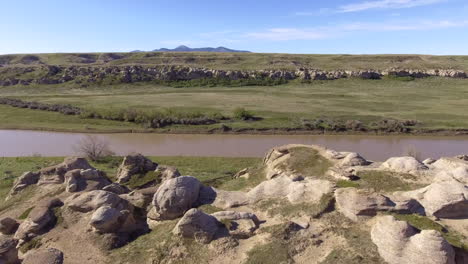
[437, 103]
[244, 61]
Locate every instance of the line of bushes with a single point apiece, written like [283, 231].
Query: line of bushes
[156, 118]
[384, 125]
[61, 108]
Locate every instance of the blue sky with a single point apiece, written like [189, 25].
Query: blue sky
[302, 26]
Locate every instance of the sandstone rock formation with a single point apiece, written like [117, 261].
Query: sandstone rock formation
[8, 250]
[56, 174]
[132, 165]
[447, 199]
[139, 73]
[198, 225]
[307, 190]
[167, 172]
[403, 165]
[175, 196]
[25, 180]
[357, 204]
[85, 180]
[44, 256]
[39, 220]
[8, 225]
[239, 224]
[398, 242]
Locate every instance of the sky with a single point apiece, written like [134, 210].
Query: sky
[276, 26]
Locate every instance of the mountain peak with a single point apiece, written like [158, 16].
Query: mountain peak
[183, 48]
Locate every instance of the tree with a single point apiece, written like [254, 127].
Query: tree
[93, 148]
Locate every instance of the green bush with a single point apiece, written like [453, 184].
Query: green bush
[242, 114]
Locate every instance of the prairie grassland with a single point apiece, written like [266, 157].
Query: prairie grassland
[437, 103]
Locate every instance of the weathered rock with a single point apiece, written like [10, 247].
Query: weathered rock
[357, 204]
[25, 180]
[339, 173]
[8, 250]
[448, 199]
[239, 224]
[353, 159]
[116, 188]
[56, 174]
[142, 197]
[308, 190]
[198, 225]
[107, 219]
[403, 165]
[222, 199]
[398, 242]
[168, 172]
[448, 169]
[85, 180]
[428, 161]
[175, 196]
[90, 201]
[354, 203]
[275, 162]
[39, 220]
[8, 226]
[44, 256]
[134, 164]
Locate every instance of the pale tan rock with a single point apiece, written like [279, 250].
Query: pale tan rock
[398, 242]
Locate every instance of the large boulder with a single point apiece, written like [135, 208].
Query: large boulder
[8, 250]
[107, 219]
[39, 220]
[353, 159]
[447, 199]
[90, 201]
[175, 196]
[8, 225]
[398, 242]
[56, 174]
[44, 256]
[198, 225]
[132, 165]
[447, 169]
[403, 165]
[85, 180]
[360, 204]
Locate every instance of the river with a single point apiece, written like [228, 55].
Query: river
[26, 143]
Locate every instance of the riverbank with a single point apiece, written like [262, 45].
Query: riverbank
[432, 106]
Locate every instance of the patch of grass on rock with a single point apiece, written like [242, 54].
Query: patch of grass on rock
[424, 223]
[32, 244]
[286, 209]
[386, 181]
[25, 214]
[307, 162]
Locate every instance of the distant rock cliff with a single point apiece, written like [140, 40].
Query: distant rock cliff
[130, 74]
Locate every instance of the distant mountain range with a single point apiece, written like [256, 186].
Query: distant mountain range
[183, 48]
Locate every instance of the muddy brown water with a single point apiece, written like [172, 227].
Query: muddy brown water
[26, 143]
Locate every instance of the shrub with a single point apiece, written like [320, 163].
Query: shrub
[241, 113]
[93, 148]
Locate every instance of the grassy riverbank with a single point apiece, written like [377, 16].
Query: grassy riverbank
[437, 104]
